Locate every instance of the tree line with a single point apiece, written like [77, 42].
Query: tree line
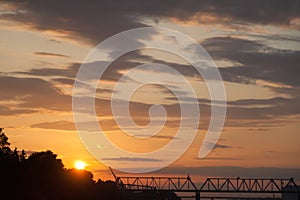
[42, 176]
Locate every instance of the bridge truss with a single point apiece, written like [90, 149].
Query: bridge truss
[210, 185]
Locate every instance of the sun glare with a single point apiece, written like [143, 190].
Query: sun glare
[80, 165]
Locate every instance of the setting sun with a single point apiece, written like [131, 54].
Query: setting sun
[80, 165]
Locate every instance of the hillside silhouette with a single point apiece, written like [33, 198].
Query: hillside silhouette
[42, 176]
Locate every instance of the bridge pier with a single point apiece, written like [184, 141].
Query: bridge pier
[197, 196]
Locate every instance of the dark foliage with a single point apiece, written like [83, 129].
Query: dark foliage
[41, 176]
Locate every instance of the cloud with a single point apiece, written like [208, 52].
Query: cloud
[81, 21]
[132, 159]
[47, 54]
[257, 61]
[256, 112]
[59, 125]
[259, 129]
[69, 72]
[257, 64]
[5, 110]
[112, 73]
[217, 158]
[92, 21]
[32, 94]
[257, 102]
[66, 81]
[240, 113]
[221, 146]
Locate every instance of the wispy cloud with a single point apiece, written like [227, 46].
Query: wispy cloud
[59, 125]
[132, 159]
[47, 54]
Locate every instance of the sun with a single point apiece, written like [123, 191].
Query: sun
[80, 165]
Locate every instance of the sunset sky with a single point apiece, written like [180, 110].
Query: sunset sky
[255, 44]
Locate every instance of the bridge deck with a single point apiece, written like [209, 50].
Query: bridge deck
[224, 185]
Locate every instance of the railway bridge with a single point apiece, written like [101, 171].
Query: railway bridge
[222, 186]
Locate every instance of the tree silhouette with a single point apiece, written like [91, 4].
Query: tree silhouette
[5, 150]
[42, 176]
[3, 139]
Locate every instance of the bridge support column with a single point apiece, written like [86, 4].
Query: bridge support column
[197, 197]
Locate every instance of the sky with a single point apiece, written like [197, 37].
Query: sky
[255, 45]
